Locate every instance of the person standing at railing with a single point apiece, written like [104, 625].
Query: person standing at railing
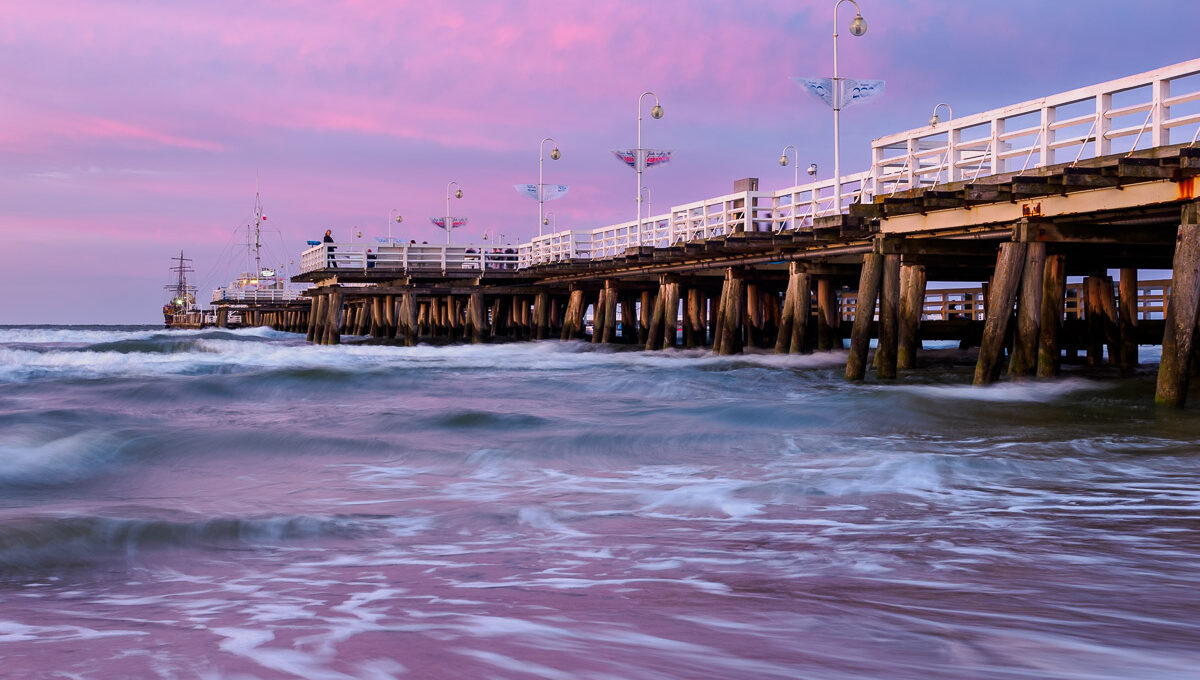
[332, 264]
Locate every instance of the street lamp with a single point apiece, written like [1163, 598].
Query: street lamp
[541, 192]
[449, 219]
[550, 221]
[639, 160]
[857, 27]
[934, 120]
[393, 216]
[783, 160]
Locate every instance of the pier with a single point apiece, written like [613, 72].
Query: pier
[967, 229]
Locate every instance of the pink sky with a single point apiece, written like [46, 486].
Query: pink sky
[131, 130]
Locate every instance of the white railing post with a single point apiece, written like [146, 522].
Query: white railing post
[1103, 146]
[1046, 151]
[1160, 133]
[953, 139]
[912, 162]
[995, 160]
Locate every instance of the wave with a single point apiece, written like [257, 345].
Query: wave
[36, 456]
[42, 542]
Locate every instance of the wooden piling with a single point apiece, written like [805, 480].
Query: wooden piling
[573, 317]
[598, 320]
[645, 312]
[1010, 263]
[1054, 286]
[828, 319]
[1094, 318]
[754, 315]
[864, 312]
[314, 316]
[611, 294]
[654, 328]
[1029, 312]
[1108, 318]
[541, 315]
[1128, 319]
[1181, 313]
[889, 316]
[628, 320]
[912, 306]
[732, 311]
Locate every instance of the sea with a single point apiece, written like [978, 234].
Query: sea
[242, 505]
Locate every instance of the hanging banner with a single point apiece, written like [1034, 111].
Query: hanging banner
[549, 191]
[650, 158]
[854, 90]
[440, 222]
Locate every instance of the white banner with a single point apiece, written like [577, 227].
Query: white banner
[549, 191]
[649, 158]
[440, 222]
[854, 90]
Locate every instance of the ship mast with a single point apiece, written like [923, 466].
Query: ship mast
[180, 289]
[258, 218]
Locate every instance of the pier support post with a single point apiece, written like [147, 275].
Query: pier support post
[913, 280]
[670, 323]
[800, 343]
[889, 316]
[1181, 312]
[654, 327]
[611, 295]
[1128, 316]
[1094, 319]
[754, 316]
[320, 306]
[645, 312]
[1054, 287]
[791, 337]
[732, 312]
[1002, 293]
[1029, 312]
[864, 313]
[598, 310]
[828, 318]
[693, 321]
[628, 319]
[787, 316]
[573, 317]
[475, 316]
[333, 322]
[541, 315]
[389, 316]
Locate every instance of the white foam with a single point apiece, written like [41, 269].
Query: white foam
[1013, 391]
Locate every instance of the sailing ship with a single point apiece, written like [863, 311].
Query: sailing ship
[180, 310]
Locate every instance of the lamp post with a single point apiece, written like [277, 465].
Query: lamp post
[449, 219]
[783, 160]
[393, 216]
[858, 26]
[934, 120]
[541, 193]
[639, 160]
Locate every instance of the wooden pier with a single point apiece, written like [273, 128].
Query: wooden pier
[766, 278]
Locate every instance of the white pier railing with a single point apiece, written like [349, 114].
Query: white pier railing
[403, 257]
[1151, 109]
[1156, 108]
[253, 295]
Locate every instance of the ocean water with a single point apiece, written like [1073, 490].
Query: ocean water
[239, 504]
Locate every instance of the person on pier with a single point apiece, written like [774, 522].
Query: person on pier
[329, 249]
